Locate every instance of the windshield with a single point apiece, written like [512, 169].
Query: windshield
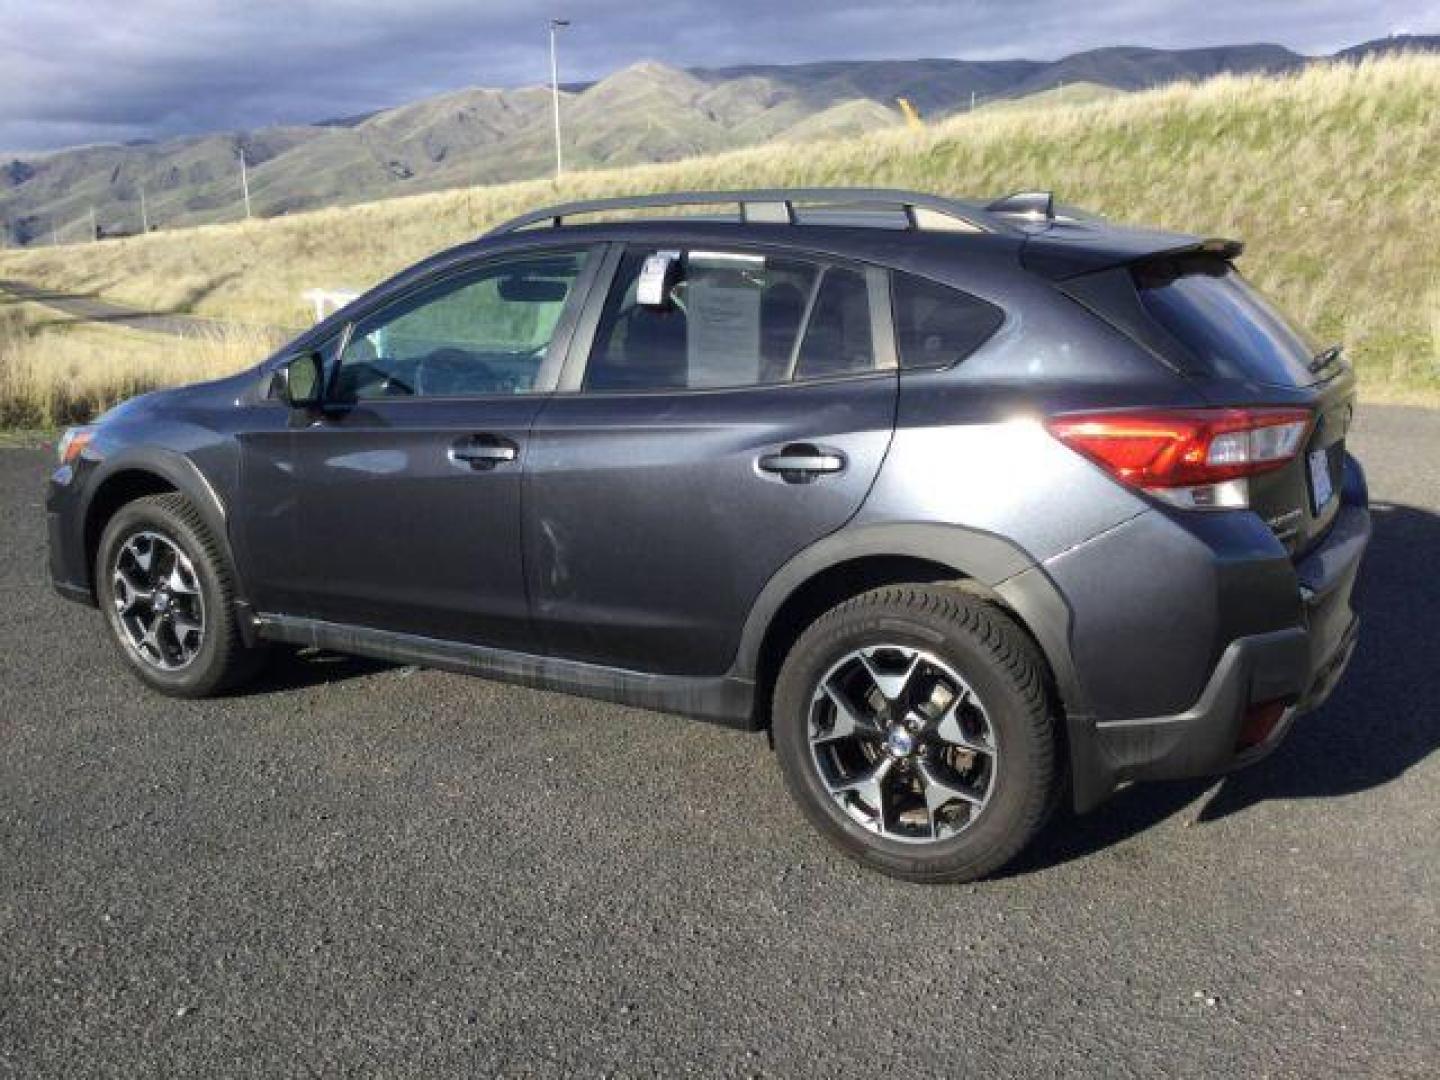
[1225, 322]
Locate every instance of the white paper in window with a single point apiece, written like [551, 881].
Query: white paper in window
[723, 316]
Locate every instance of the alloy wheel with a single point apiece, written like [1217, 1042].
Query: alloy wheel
[158, 602]
[902, 743]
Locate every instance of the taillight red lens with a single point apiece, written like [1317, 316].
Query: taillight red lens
[1185, 447]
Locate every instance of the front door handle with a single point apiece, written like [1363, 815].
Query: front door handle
[482, 452]
[800, 463]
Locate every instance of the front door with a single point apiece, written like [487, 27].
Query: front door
[403, 497]
[709, 440]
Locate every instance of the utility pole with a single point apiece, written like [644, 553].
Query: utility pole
[94, 229]
[972, 100]
[244, 180]
[556, 25]
[144, 215]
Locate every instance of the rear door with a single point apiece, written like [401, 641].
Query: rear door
[699, 446]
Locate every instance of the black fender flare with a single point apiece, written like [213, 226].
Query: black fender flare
[972, 553]
[184, 476]
[997, 568]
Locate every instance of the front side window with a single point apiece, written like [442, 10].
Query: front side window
[480, 333]
[731, 319]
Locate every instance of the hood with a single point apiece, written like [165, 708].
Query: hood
[216, 392]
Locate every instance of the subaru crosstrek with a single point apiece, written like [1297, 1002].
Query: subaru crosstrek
[975, 508]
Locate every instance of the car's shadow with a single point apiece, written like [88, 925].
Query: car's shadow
[1380, 721]
[289, 668]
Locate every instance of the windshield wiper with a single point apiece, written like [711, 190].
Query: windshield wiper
[1324, 358]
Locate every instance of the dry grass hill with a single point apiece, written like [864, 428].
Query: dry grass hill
[649, 112]
[1329, 173]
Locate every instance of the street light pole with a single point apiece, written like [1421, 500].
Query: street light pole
[556, 25]
[244, 181]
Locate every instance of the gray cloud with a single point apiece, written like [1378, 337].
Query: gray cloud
[105, 70]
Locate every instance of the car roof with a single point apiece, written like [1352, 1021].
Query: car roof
[903, 230]
[1057, 241]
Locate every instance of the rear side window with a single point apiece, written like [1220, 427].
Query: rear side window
[838, 340]
[732, 319]
[936, 326]
[1233, 330]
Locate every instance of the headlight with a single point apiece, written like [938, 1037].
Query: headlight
[73, 442]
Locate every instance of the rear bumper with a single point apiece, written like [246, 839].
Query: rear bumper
[1293, 669]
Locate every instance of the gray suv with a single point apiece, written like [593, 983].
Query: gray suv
[976, 509]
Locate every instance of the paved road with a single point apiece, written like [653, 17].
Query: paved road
[93, 309]
[377, 871]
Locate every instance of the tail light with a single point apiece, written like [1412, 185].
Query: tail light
[1194, 458]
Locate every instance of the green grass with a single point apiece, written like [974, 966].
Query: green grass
[1330, 176]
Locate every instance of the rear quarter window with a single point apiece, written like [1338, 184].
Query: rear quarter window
[1225, 322]
[936, 326]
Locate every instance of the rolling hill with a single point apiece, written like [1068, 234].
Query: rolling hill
[1327, 173]
[649, 112]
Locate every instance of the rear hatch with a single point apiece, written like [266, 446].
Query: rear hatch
[1242, 351]
[1181, 298]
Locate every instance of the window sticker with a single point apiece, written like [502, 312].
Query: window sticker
[723, 343]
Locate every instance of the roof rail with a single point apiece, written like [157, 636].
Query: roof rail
[777, 206]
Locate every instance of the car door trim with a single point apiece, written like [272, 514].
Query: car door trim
[723, 699]
[587, 322]
[882, 319]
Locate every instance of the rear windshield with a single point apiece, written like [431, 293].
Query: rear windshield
[1227, 324]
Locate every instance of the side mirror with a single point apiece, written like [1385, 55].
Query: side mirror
[300, 381]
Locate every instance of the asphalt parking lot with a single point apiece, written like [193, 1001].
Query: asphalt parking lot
[370, 870]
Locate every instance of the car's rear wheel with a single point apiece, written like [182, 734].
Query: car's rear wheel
[168, 595]
[913, 729]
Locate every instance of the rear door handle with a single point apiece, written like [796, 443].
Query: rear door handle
[482, 452]
[800, 463]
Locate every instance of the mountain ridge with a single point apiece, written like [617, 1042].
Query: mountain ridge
[649, 111]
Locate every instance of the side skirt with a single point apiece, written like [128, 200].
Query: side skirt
[722, 699]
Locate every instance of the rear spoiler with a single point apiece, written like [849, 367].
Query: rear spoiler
[1069, 249]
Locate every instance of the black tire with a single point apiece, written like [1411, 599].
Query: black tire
[997, 660]
[221, 661]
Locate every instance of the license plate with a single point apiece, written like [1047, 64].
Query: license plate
[1321, 490]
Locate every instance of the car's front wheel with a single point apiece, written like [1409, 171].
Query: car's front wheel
[167, 592]
[913, 729]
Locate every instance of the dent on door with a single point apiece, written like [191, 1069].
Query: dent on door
[651, 530]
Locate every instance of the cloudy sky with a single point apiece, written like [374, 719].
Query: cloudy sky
[76, 71]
